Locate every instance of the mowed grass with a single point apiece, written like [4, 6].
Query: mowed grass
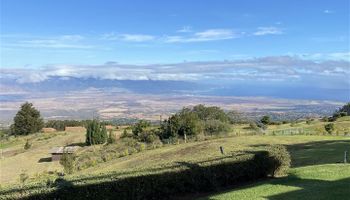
[329, 181]
[317, 173]
[172, 154]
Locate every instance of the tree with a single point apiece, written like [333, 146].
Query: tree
[139, 127]
[111, 137]
[27, 120]
[329, 128]
[210, 113]
[265, 120]
[96, 133]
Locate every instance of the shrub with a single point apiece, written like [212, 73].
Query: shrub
[265, 120]
[329, 128]
[215, 127]
[140, 147]
[23, 177]
[140, 126]
[148, 136]
[27, 145]
[111, 138]
[279, 160]
[68, 162]
[124, 134]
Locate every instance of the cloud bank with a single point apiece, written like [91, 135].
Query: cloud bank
[278, 68]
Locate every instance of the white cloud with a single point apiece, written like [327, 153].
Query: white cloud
[51, 43]
[128, 37]
[207, 35]
[136, 37]
[336, 56]
[270, 30]
[58, 42]
[265, 68]
[185, 29]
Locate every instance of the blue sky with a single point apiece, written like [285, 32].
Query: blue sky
[275, 44]
[39, 32]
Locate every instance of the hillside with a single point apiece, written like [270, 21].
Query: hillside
[307, 151]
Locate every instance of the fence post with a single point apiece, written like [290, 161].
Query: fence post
[345, 156]
[222, 150]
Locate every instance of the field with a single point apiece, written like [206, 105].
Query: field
[316, 161]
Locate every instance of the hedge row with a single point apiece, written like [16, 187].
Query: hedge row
[190, 178]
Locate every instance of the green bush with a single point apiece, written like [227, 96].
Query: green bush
[279, 160]
[68, 162]
[216, 127]
[27, 145]
[329, 128]
[265, 120]
[140, 126]
[111, 138]
[148, 136]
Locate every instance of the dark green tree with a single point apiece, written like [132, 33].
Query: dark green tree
[329, 128]
[265, 120]
[169, 128]
[27, 120]
[96, 133]
[210, 113]
[111, 137]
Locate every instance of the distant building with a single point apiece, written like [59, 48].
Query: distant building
[75, 129]
[57, 152]
[48, 130]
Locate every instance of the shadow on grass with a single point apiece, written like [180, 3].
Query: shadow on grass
[316, 153]
[48, 159]
[306, 189]
[80, 144]
[313, 189]
[308, 154]
[189, 178]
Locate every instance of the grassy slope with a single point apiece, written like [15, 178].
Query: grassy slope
[316, 127]
[210, 149]
[15, 158]
[306, 151]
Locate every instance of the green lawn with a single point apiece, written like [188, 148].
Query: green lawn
[329, 181]
[317, 173]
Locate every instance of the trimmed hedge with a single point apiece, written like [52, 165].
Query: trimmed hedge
[186, 178]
